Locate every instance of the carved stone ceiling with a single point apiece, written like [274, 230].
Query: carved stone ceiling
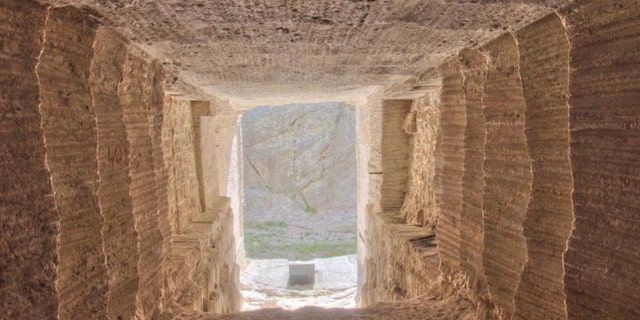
[261, 48]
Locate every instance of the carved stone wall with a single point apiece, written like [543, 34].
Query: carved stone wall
[28, 215]
[604, 88]
[112, 206]
[70, 135]
[533, 173]
[106, 200]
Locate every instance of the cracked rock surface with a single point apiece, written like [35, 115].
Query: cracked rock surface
[300, 180]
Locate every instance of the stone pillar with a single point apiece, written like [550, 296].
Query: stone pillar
[69, 125]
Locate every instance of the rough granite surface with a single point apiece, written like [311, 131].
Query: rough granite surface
[300, 180]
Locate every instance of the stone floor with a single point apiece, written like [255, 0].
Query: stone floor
[265, 284]
[426, 308]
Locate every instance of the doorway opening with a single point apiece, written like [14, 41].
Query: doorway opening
[300, 225]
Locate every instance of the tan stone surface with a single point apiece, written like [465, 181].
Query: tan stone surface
[422, 124]
[69, 128]
[451, 154]
[102, 107]
[395, 148]
[28, 217]
[137, 104]
[507, 173]
[199, 109]
[228, 148]
[474, 68]
[541, 109]
[544, 68]
[601, 264]
[179, 156]
[402, 266]
[440, 306]
[156, 95]
[245, 49]
[120, 236]
[209, 160]
[200, 271]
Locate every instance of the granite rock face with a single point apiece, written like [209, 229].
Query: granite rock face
[300, 178]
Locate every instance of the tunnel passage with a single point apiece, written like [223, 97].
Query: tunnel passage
[299, 187]
[299, 181]
[509, 130]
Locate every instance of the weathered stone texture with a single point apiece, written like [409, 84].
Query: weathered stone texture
[473, 65]
[102, 121]
[182, 194]
[395, 150]
[228, 142]
[302, 151]
[405, 264]
[507, 173]
[137, 103]
[544, 68]
[240, 48]
[179, 155]
[28, 218]
[157, 96]
[451, 157]
[535, 161]
[419, 206]
[201, 271]
[200, 109]
[200, 267]
[120, 236]
[601, 264]
[70, 138]
[363, 158]
[300, 171]
[442, 307]
[209, 160]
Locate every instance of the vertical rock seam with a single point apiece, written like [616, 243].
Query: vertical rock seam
[154, 102]
[70, 137]
[507, 173]
[395, 148]
[419, 206]
[449, 191]
[199, 109]
[474, 67]
[28, 216]
[120, 235]
[601, 263]
[137, 119]
[544, 68]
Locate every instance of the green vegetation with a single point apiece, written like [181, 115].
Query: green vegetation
[307, 207]
[271, 239]
[274, 242]
[258, 247]
[325, 249]
[266, 225]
